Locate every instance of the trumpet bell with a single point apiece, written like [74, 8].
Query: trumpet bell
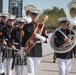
[26, 12]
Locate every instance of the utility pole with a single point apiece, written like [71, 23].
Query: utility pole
[15, 7]
[1, 6]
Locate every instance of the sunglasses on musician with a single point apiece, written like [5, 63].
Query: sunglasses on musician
[3, 16]
[10, 19]
[20, 22]
[63, 21]
[34, 14]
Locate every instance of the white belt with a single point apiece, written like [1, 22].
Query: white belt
[38, 42]
[15, 43]
[6, 39]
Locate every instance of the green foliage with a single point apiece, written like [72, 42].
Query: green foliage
[53, 15]
[74, 27]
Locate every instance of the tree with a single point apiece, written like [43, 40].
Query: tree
[53, 15]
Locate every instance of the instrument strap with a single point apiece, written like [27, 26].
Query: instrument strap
[37, 29]
[62, 33]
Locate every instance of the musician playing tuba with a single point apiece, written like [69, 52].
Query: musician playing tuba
[64, 59]
[35, 53]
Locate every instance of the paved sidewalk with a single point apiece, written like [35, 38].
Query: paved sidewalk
[48, 68]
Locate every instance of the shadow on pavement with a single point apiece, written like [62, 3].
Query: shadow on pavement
[58, 71]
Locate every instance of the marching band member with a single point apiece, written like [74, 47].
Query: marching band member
[17, 35]
[64, 59]
[3, 18]
[35, 54]
[2, 25]
[7, 37]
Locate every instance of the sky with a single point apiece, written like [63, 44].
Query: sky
[41, 4]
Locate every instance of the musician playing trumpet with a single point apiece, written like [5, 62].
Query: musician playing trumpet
[61, 37]
[35, 53]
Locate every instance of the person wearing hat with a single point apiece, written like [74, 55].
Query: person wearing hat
[27, 13]
[2, 25]
[17, 35]
[64, 59]
[3, 18]
[35, 54]
[7, 38]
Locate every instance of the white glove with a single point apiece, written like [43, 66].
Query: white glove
[38, 36]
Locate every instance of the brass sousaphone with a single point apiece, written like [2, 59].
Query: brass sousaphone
[26, 12]
[71, 16]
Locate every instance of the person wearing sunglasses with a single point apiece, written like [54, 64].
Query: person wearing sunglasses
[62, 37]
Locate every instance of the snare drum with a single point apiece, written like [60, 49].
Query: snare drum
[9, 53]
[18, 59]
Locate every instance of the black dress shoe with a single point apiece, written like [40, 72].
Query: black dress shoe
[2, 73]
[54, 61]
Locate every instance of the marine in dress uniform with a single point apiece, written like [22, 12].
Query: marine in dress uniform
[7, 37]
[2, 25]
[64, 59]
[35, 54]
[17, 35]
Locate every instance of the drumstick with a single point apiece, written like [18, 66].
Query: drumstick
[6, 47]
